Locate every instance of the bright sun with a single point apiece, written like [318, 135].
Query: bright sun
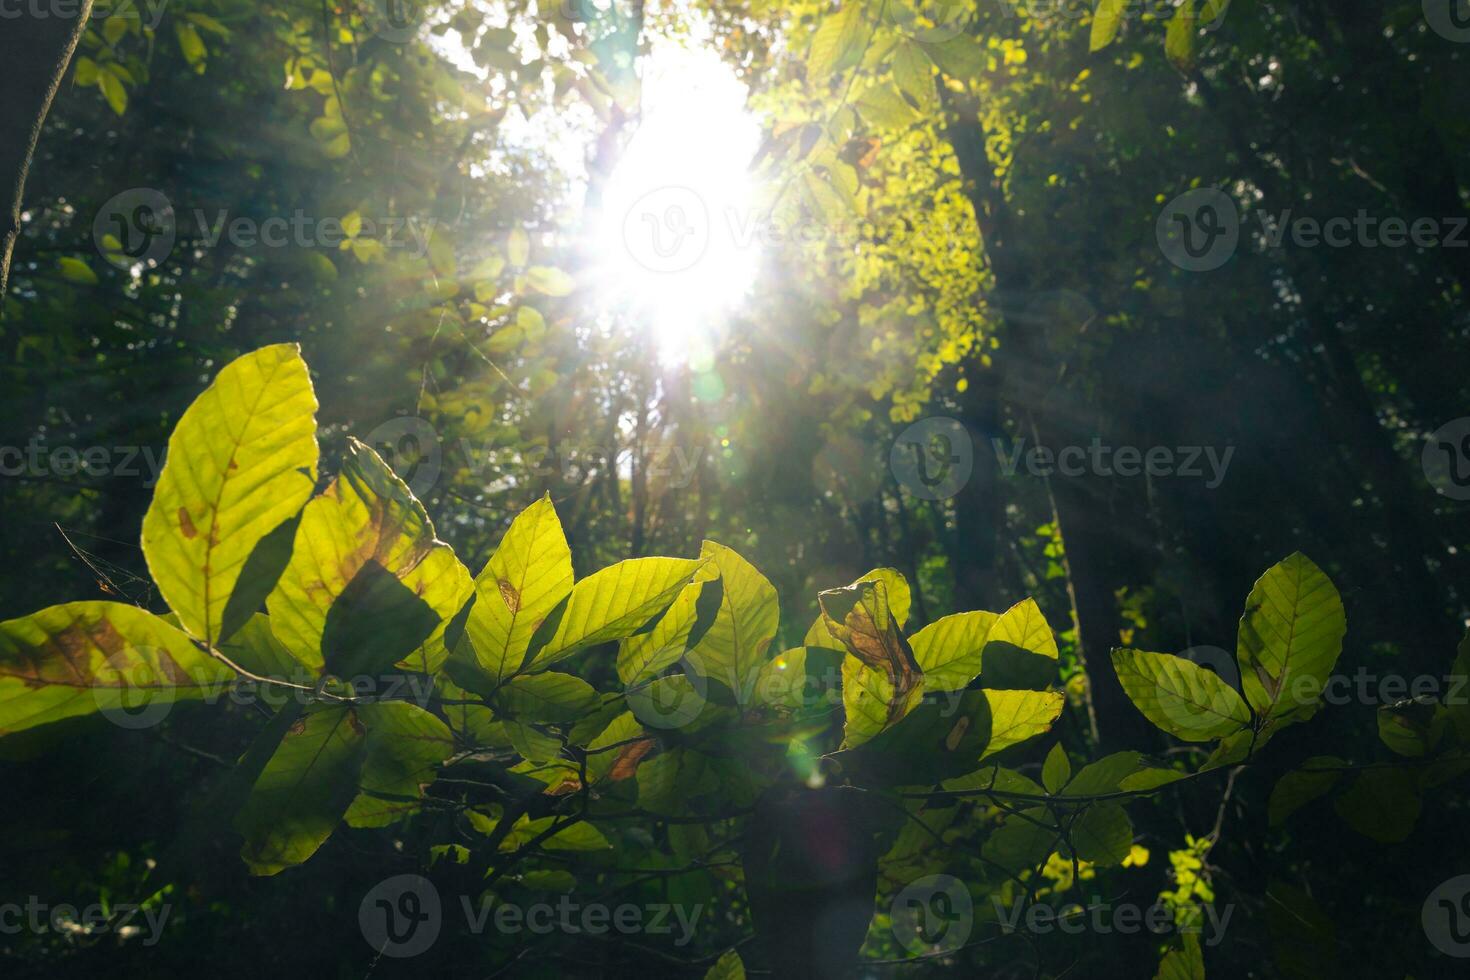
[675, 244]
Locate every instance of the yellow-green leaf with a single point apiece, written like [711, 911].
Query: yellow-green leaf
[241, 463]
[83, 657]
[365, 556]
[1290, 638]
[1179, 696]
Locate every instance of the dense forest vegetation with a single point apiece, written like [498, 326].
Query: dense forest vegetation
[820, 489]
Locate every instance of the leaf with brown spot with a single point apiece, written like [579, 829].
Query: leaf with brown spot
[367, 517]
[859, 617]
[240, 462]
[82, 657]
[628, 758]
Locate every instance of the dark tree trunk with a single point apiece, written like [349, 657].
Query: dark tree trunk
[35, 51]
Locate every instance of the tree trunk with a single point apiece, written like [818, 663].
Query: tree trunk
[36, 47]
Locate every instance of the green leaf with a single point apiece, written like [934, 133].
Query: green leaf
[1179, 696]
[549, 281]
[944, 737]
[727, 967]
[83, 657]
[668, 781]
[255, 648]
[606, 763]
[75, 270]
[913, 72]
[1382, 804]
[888, 682]
[1106, 22]
[113, 91]
[405, 745]
[304, 790]
[1103, 834]
[1056, 770]
[529, 575]
[900, 598]
[1105, 775]
[1021, 651]
[838, 43]
[241, 462]
[190, 43]
[1412, 727]
[1179, 39]
[1022, 842]
[1301, 786]
[1016, 716]
[1290, 638]
[948, 650]
[367, 545]
[610, 604]
[733, 650]
[545, 698]
[1185, 961]
[644, 655]
[884, 107]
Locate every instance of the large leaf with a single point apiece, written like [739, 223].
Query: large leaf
[948, 735]
[733, 650]
[83, 657]
[1302, 785]
[896, 589]
[644, 655]
[615, 602]
[545, 698]
[1179, 696]
[838, 43]
[241, 462]
[529, 574]
[860, 617]
[367, 544]
[405, 744]
[948, 649]
[304, 790]
[1106, 21]
[1290, 638]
